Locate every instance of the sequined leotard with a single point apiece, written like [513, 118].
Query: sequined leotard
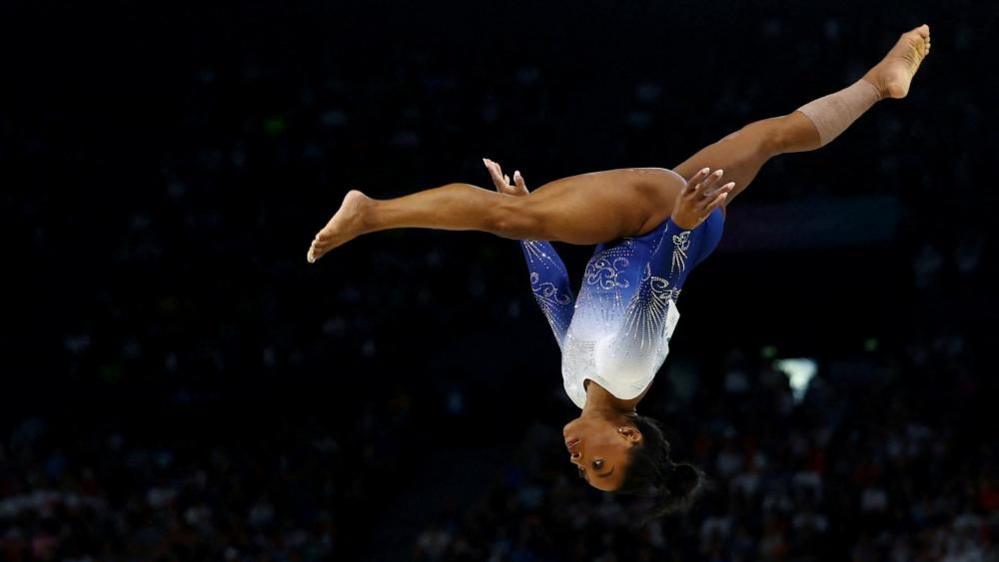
[617, 332]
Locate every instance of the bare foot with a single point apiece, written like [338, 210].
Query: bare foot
[347, 224]
[894, 73]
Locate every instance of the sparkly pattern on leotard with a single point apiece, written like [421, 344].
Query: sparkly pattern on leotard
[617, 332]
[550, 284]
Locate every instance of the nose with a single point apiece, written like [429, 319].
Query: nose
[574, 457]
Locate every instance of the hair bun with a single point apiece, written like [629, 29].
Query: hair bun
[683, 480]
[651, 473]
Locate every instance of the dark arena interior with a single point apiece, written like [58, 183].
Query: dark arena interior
[180, 384]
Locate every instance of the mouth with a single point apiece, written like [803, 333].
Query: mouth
[571, 443]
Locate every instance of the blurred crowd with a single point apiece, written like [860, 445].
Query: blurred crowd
[902, 465]
[883, 458]
[185, 387]
[196, 487]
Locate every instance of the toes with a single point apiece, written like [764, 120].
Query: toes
[316, 252]
[318, 243]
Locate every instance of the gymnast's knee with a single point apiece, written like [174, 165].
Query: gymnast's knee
[770, 135]
[778, 135]
[517, 218]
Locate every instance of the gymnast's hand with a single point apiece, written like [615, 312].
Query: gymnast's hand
[502, 182]
[701, 196]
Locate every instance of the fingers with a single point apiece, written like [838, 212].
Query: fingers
[495, 172]
[519, 179]
[695, 181]
[711, 196]
[718, 201]
[703, 187]
[500, 180]
[703, 181]
[710, 183]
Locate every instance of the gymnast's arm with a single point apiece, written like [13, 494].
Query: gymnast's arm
[699, 198]
[550, 285]
[549, 277]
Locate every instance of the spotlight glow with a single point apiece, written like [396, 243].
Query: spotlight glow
[799, 373]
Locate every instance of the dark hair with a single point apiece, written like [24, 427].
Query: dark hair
[673, 487]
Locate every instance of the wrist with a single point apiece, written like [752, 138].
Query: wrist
[680, 224]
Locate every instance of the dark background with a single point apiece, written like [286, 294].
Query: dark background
[179, 384]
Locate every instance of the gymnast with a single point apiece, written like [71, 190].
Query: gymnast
[651, 227]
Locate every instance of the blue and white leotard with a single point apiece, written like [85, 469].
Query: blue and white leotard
[617, 332]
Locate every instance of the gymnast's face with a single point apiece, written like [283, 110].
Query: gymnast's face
[600, 449]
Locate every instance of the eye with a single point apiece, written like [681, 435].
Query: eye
[579, 471]
[598, 464]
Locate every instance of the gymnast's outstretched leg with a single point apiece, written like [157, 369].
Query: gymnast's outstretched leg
[602, 206]
[815, 124]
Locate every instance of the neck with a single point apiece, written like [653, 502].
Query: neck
[600, 402]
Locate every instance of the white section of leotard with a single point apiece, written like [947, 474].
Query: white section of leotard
[623, 320]
[596, 352]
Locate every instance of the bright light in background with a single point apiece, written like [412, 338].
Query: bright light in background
[799, 373]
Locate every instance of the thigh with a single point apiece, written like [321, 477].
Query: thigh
[603, 206]
[740, 154]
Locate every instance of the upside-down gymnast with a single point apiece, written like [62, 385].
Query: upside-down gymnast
[651, 227]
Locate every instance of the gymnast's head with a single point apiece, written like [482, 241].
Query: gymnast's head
[628, 454]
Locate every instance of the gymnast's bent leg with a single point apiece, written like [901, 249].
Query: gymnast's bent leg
[553, 212]
[741, 154]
